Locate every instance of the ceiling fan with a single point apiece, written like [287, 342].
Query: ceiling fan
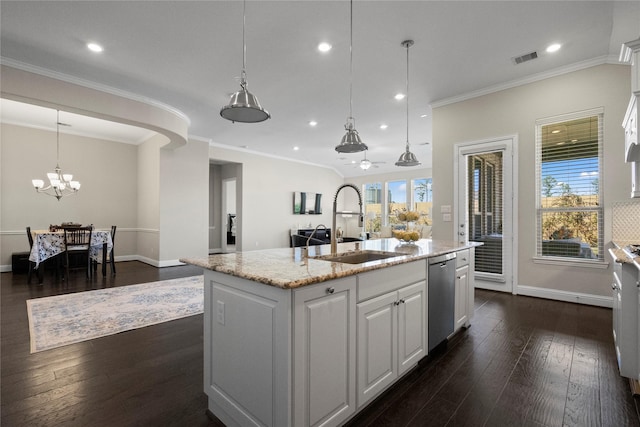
[366, 163]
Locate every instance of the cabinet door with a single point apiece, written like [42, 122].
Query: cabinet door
[377, 345]
[462, 294]
[412, 325]
[324, 353]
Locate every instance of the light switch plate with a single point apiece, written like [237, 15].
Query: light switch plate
[446, 217]
[445, 209]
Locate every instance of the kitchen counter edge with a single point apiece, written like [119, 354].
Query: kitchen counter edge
[288, 268]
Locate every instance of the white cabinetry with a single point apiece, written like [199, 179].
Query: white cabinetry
[625, 317]
[392, 327]
[461, 310]
[314, 355]
[324, 338]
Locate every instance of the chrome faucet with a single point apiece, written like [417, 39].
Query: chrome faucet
[313, 233]
[334, 244]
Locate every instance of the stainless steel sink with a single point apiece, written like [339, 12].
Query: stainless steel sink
[358, 257]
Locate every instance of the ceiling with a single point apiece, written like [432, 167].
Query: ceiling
[188, 55]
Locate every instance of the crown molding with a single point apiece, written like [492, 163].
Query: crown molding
[606, 59]
[23, 66]
[261, 154]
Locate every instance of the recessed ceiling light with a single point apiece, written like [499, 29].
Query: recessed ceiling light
[553, 47]
[399, 96]
[555, 131]
[423, 116]
[383, 127]
[296, 148]
[95, 47]
[324, 47]
[313, 123]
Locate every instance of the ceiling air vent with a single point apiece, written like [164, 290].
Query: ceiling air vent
[524, 58]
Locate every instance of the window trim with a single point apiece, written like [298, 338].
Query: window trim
[538, 258]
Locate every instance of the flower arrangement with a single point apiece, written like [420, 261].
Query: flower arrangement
[407, 235]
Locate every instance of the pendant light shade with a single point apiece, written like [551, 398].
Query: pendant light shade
[351, 142]
[407, 158]
[244, 106]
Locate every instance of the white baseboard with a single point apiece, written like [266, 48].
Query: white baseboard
[577, 297]
[166, 263]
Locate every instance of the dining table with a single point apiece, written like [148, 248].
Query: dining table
[47, 244]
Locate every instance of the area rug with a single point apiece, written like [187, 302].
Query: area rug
[67, 319]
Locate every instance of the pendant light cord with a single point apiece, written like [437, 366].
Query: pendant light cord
[408, 96]
[244, 45]
[351, 64]
[57, 138]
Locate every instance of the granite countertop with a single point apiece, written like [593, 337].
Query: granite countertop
[288, 268]
[621, 256]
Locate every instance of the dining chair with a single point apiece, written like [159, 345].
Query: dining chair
[32, 265]
[111, 257]
[77, 243]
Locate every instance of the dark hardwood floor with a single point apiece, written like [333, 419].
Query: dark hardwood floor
[524, 362]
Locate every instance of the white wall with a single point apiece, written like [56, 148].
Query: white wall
[265, 193]
[184, 201]
[148, 202]
[514, 111]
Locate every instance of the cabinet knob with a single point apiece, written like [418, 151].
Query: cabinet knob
[331, 290]
[402, 301]
[613, 286]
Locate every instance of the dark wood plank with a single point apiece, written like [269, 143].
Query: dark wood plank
[524, 362]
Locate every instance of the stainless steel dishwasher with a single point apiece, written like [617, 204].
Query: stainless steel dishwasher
[442, 276]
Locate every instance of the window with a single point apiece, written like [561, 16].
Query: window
[396, 201]
[568, 178]
[381, 207]
[373, 207]
[422, 199]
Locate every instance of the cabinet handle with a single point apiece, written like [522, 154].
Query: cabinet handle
[330, 290]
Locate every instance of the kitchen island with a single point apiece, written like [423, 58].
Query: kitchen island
[291, 339]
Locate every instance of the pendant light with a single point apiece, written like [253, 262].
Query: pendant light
[244, 106]
[351, 142]
[407, 158]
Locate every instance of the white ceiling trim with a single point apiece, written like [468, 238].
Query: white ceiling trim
[92, 85]
[609, 59]
[262, 154]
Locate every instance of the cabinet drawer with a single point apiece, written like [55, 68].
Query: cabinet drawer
[378, 282]
[462, 258]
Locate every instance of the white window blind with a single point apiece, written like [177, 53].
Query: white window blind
[568, 183]
[486, 189]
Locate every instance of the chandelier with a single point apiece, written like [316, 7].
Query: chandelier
[60, 184]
